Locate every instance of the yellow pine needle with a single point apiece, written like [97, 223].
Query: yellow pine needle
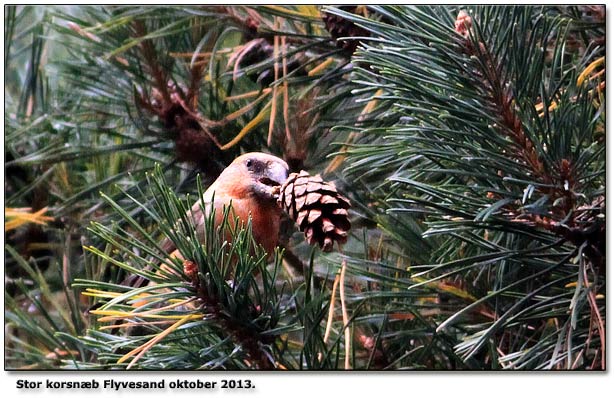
[589, 69]
[314, 11]
[141, 297]
[574, 284]
[310, 10]
[598, 74]
[456, 291]
[8, 211]
[346, 320]
[272, 117]
[338, 160]
[62, 172]
[552, 322]
[286, 108]
[581, 79]
[128, 315]
[362, 10]
[249, 94]
[100, 293]
[129, 325]
[141, 350]
[42, 246]
[22, 216]
[249, 126]
[444, 287]
[83, 32]
[168, 307]
[104, 294]
[331, 309]
[276, 76]
[300, 13]
[321, 67]
[331, 312]
[57, 353]
[539, 107]
[144, 314]
[238, 113]
[199, 55]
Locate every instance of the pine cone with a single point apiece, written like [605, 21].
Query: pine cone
[340, 27]
[317, 208]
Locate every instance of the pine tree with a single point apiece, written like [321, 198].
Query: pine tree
[468, 140]
[494, 147]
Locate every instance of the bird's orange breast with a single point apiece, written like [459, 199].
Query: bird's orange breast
[265, 219]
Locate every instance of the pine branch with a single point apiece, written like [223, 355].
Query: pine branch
[211, 307]
[498, 92]
[559, 183]
[499, 185]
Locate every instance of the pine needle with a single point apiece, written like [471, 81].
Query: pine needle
[331, 309]
[249, 126]
[346, 319]
[141, 350]
[589, 69]
[21, 216]
[130, 325]
[276, 76]
[303, 13]
[331, 313]
[249, 94]
[240, 112]
[319, 68]
[285, 83]
[338, 160]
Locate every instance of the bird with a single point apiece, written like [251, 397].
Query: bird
[250, 185]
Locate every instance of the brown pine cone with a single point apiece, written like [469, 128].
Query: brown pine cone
[340, 27]
[317, 208]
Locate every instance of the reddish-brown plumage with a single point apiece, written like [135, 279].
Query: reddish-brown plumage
[248, 184]
[265, 219]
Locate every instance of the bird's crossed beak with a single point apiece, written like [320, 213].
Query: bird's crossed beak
[274, 176]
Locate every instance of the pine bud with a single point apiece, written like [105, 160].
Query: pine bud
[463, 24]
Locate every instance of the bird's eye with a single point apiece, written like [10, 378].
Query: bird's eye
[248, 163]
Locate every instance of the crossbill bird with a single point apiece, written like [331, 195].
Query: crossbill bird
[249, 185]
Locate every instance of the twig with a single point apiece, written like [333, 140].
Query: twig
[558, 183]
[250, 340]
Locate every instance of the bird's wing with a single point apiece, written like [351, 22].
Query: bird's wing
[167, 245]
[196, 212]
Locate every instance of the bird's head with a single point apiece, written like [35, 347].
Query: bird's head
[258, 174]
